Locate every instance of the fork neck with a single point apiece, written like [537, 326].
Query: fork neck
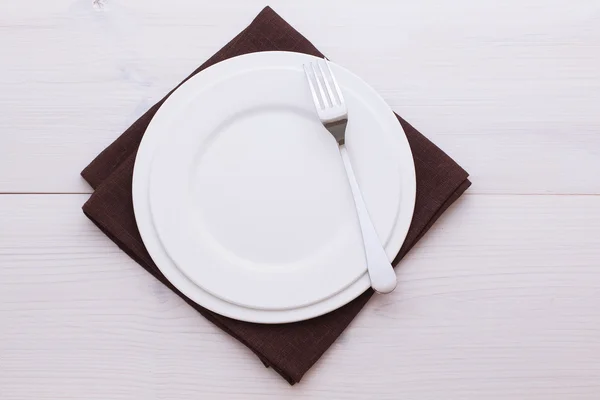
[338, 130]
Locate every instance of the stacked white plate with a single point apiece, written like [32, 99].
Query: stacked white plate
[240, 193]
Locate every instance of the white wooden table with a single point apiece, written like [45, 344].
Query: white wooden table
[500, 300]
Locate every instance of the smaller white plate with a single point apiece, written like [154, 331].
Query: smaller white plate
[241, 197]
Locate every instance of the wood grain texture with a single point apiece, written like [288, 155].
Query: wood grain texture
[488, 82]
[498, 301]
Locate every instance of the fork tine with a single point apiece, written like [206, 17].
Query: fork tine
[327, 85]
[338, 91]
[326, 101]
[313, 91]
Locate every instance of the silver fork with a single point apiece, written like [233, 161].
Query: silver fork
[333, 113]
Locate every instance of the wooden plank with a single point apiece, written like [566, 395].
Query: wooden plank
[498, 301]
[510, 90]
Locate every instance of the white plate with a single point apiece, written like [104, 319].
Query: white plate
[241, 197]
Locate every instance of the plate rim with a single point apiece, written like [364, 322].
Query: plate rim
[142, 210]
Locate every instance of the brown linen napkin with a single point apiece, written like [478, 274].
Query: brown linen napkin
[290, 349]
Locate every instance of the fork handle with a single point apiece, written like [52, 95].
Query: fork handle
[381, 272]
